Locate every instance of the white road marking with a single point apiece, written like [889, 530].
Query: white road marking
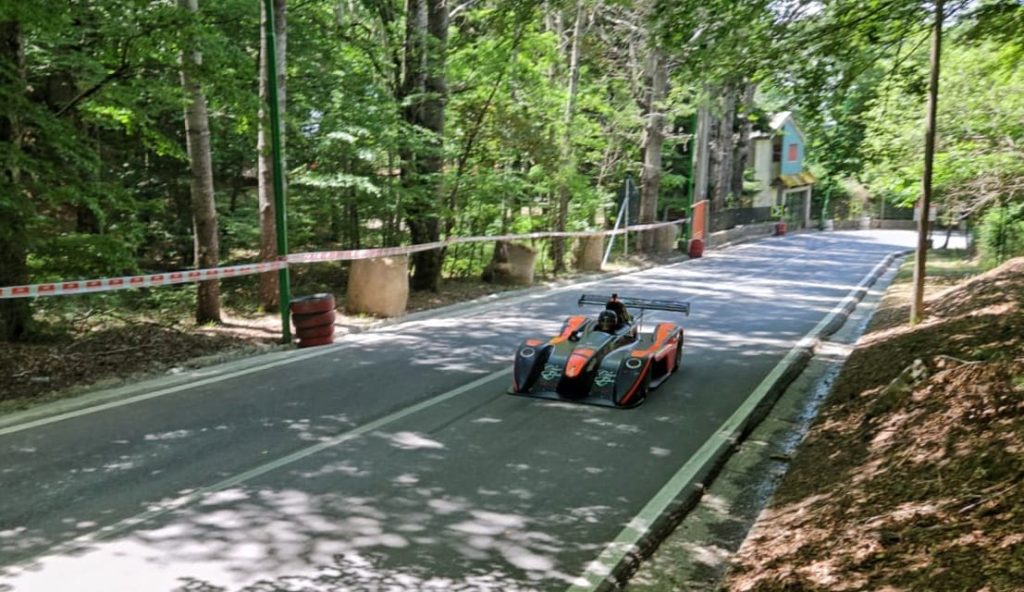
[58, 416]
[200, 493]
[596, 573]
[28, 425]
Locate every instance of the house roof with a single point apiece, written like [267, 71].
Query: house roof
[779, 119]
[777, 123]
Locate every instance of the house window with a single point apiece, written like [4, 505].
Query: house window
[794, 152]
[776, 151]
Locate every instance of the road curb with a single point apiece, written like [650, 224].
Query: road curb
[758, 405]
[106, 395]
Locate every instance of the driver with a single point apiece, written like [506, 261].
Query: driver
[615, 305]
[607, 321]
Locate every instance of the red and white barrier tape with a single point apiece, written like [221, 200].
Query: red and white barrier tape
[354, 254]
[138, 281]
[217, 273]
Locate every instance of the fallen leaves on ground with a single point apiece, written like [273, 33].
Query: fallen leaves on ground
[119, 346]
[911, 478]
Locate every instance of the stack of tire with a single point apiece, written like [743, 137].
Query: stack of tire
[313, 317]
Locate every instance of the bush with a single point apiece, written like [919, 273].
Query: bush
[1001, 234]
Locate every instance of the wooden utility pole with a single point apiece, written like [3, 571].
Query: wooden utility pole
[917, 307]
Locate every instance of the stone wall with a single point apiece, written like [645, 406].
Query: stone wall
[739, 234]
[893, 224]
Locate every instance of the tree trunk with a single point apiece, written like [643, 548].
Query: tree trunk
[15, 314]
[923, 223]
[714, 155]
[741, 152]
[553, 24]
[701, 154]
[568, 163]
[426, 92]
[650, 181]
[268, 294]
[723, 176]
[204, 214]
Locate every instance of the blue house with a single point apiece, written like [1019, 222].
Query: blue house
[778, 158]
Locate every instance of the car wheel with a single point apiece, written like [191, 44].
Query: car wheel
[679, 357]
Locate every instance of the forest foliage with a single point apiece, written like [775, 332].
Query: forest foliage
[425, 119]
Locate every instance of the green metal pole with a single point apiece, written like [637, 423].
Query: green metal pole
[693, 178]
[281, 220]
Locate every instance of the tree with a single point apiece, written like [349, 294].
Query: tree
[14, 313]
[204, 212]
[654, 135]
[741, 152]
[568, 165]
[831, 65]
[716, 48]
[724, 141]
[425, 92]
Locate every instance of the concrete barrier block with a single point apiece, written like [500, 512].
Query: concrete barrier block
[589, 253]
[379, 286]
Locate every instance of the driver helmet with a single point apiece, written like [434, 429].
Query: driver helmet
[607, 320]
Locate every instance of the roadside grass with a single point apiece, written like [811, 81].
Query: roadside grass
[945, 268]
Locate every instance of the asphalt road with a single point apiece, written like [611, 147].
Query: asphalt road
[394, 460]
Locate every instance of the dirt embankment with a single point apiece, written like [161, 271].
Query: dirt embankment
[912, 477]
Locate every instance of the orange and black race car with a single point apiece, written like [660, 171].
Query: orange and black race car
[606, 360]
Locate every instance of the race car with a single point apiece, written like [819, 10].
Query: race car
[606, 360]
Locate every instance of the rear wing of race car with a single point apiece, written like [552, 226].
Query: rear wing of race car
[641, 303]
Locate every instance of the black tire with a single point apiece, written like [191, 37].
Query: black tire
[679, 356]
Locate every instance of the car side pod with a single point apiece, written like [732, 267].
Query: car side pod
[614, 380]
[633, 381]
[531, 355]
